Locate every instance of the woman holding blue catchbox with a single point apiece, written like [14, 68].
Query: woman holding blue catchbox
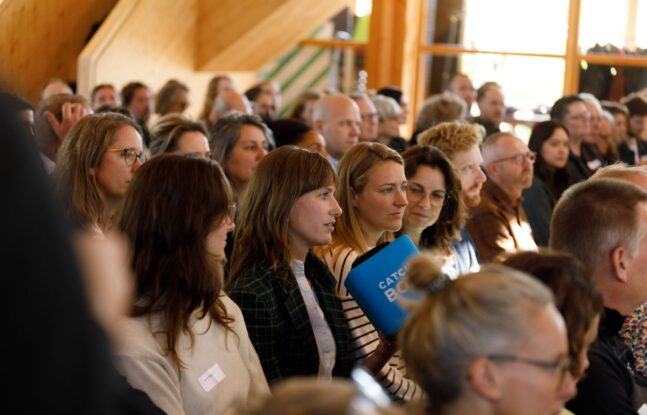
[372, 192]
[286, 294]
[436, 212]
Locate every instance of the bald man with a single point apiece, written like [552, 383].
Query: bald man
[337, 118]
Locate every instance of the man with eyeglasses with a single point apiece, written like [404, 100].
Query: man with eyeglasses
[603, 222]
[499, 223]
[368, 113]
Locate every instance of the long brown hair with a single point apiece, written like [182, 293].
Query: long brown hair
[453, 214]
[171, 205]
[82, 151]
[281, 178]
[576, 295]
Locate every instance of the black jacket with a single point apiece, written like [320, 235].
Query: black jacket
[608, 386]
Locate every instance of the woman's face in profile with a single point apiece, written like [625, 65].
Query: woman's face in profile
[217, 237]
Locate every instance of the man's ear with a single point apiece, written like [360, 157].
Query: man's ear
[485, 379]
[619, 258]
[490, 168]
[318, 126]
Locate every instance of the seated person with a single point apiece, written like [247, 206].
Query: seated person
[491, 342]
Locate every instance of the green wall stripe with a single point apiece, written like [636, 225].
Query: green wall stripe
[303, 68]
[287, 58]
[315, 81]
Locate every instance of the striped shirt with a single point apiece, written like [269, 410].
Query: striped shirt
[364, 337]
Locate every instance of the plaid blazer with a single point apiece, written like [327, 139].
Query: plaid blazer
[278, 322]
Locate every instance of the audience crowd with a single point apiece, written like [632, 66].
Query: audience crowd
[208, 258]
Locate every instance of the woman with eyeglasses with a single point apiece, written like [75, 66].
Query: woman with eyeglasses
[95, 165]
[490, 343]
[174, 133]
[371, 191]
[436, 211]
[285, 292]
[185, 343]
[549, 140]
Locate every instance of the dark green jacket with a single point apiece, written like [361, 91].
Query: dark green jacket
[278, 322]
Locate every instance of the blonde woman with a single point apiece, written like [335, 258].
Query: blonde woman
[371, 191]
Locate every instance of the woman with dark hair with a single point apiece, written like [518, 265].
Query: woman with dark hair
[288, 132]
[174, 133]
[238, 143]
[577, 298]
[549, 140]
[436, 211]
[95, 164]
[185, 344]
[492, 342]
[287, 294]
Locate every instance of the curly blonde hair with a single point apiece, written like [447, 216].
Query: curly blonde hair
[452, 137]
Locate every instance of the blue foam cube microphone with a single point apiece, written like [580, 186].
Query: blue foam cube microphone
[376, 282]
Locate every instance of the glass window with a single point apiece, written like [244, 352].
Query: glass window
[614, 25]
[500, 25]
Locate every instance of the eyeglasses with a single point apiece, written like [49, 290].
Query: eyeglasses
[531, 156]
[128, 154]
[416, 193]
[562, 366]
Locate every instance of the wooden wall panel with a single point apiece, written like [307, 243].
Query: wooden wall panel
[151, 41]
[42, 39]
[247, 34]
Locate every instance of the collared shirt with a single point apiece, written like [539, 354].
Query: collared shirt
[499, 224]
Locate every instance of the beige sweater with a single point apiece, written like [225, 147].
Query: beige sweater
[221, 373]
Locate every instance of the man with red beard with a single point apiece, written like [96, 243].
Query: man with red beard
[499, 223]
[460, 142]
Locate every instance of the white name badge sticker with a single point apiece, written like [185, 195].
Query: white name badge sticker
[213, 376]
[643, 410]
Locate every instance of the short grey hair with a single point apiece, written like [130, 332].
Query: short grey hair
[594, 217]
[386, 107]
